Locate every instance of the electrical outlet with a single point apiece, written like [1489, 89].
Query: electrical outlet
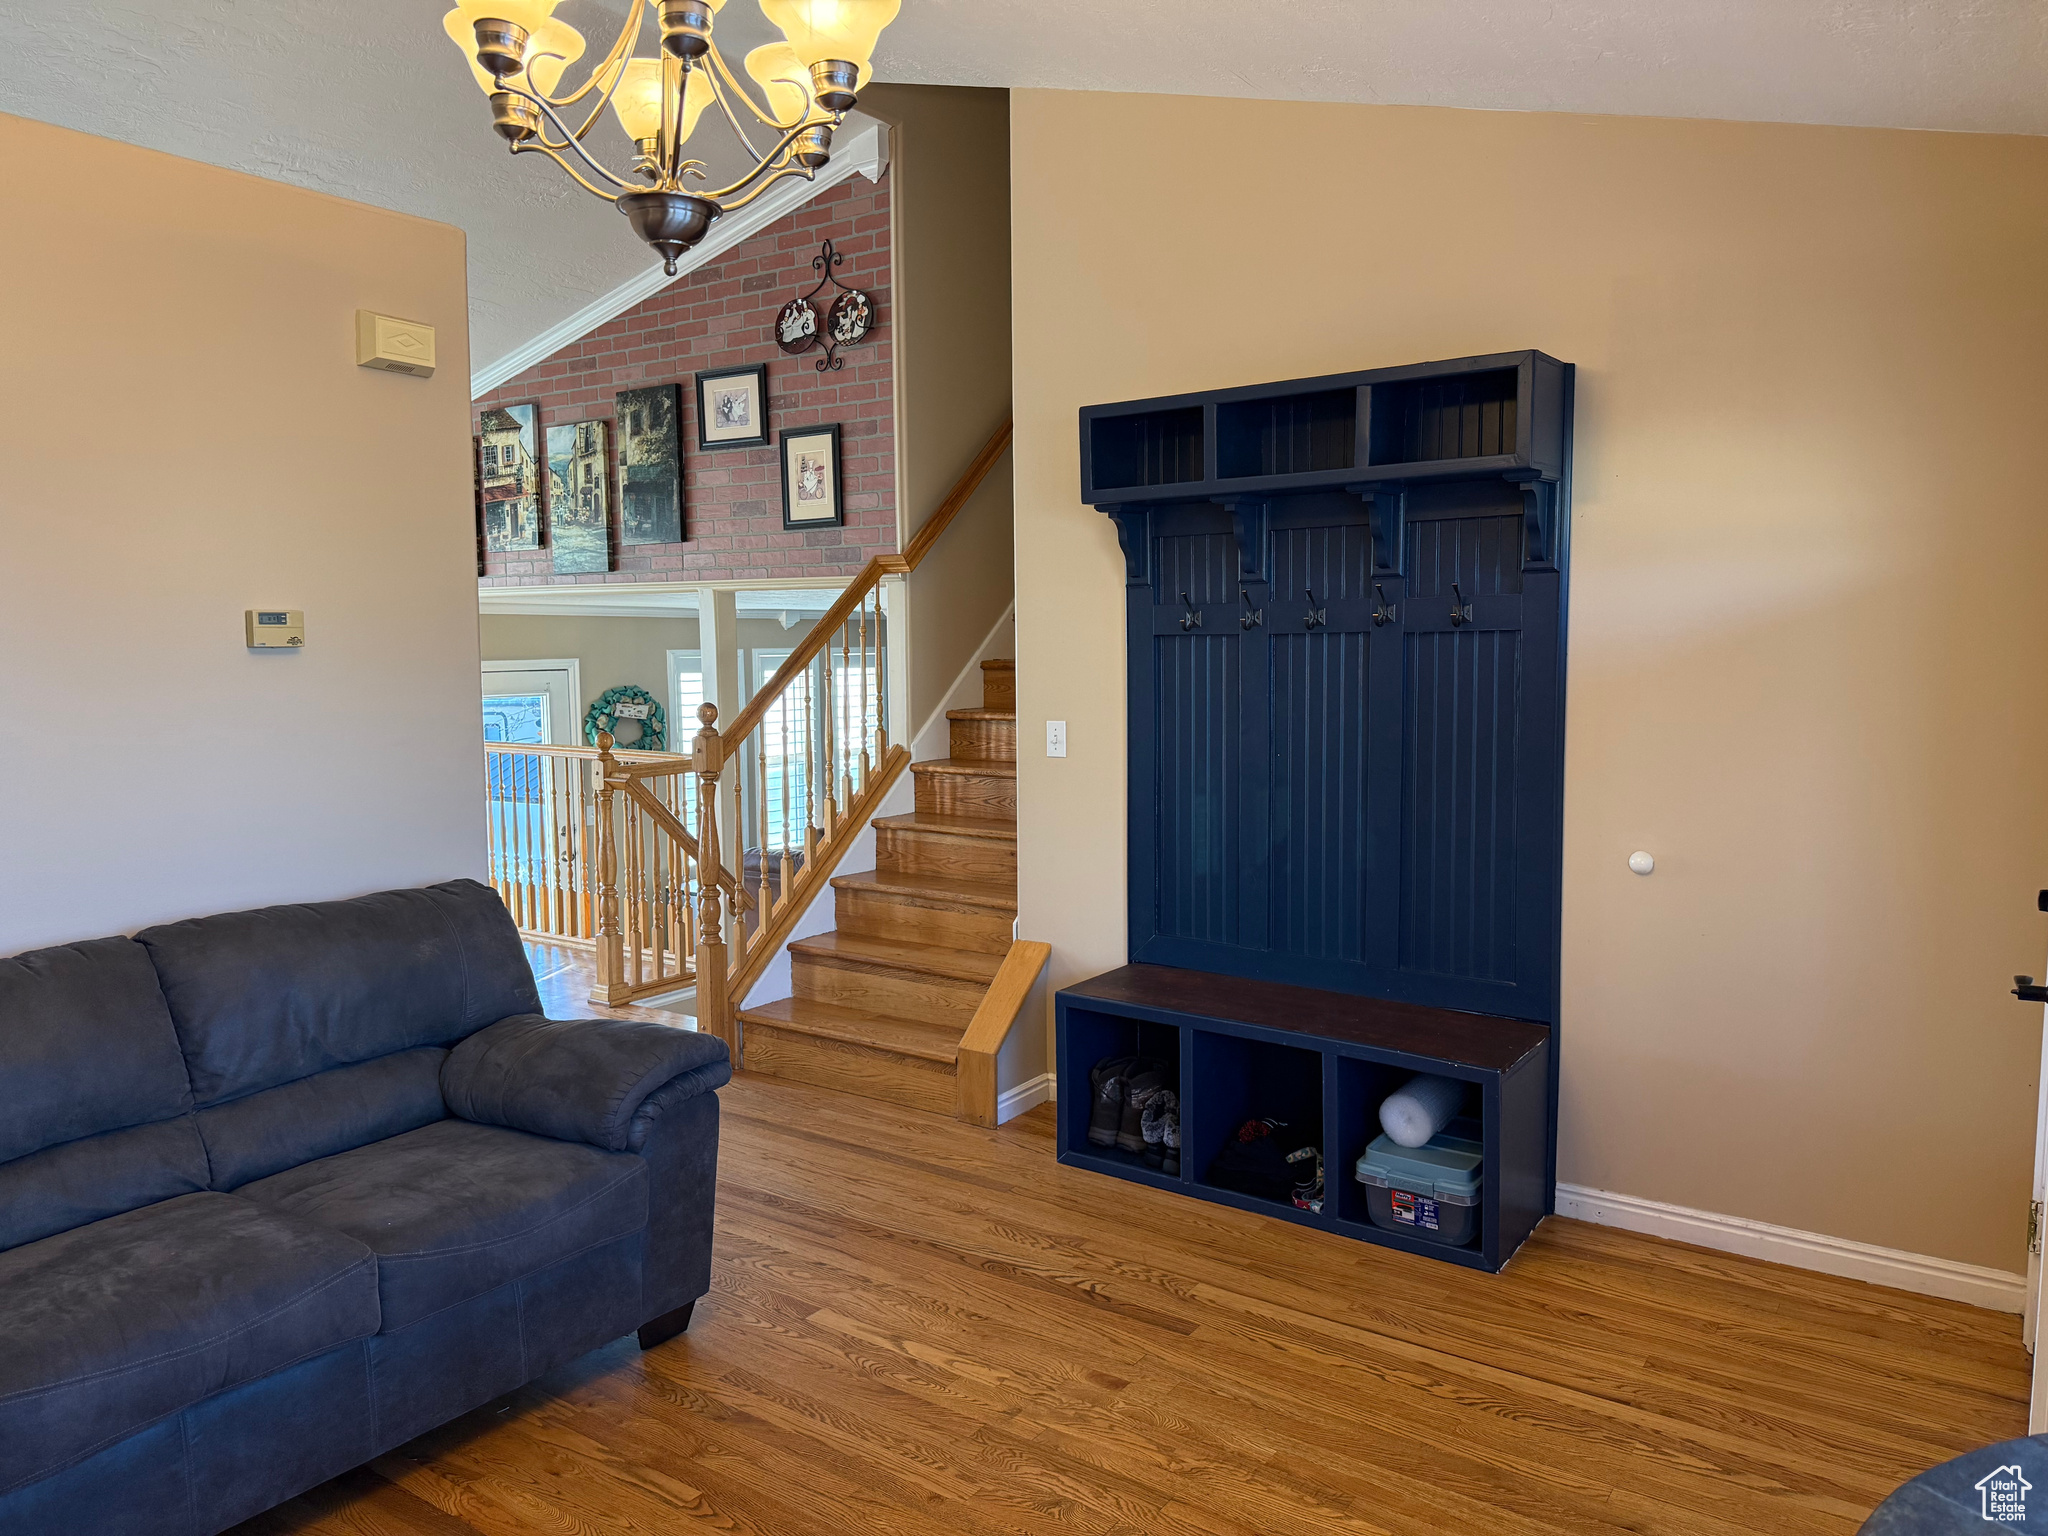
[1055, 738]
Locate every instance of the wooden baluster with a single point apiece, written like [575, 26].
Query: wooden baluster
[788, 873]
[494, 819]
[827, 734]
[761, 891]
[881, 684]
[714, 1008]
[865, 761]
[527, 764]
[846, 693]
[552, 779]
[636, 921]
[610, 959]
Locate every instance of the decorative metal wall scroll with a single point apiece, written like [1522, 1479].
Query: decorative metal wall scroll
[799, 327]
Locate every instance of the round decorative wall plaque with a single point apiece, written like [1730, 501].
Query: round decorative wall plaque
[796, 328]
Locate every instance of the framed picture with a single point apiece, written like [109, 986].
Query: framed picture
[810, 478]
[476, 469]
[508, 468]
[579, 510]
[732, 408]
[650, 441]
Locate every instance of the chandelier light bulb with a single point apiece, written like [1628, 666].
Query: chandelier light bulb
[828, 33]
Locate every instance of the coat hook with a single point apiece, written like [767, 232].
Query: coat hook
[1317, 617]
[1192, 619]
[1461, 611]
[1383, 612]
[1252, 617]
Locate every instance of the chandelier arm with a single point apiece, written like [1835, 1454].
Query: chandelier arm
[763, 177]
[569, 141]
[628, 40]
[733, 80]
[537, 147]
[773, 166]
[718, 93]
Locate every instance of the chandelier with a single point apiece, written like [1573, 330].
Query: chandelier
[519, 52]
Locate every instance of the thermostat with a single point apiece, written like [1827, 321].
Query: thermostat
[275, 629]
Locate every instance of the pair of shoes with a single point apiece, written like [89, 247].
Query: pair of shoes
[1123, 1085]
[1160, 1124]
[1106, 1111]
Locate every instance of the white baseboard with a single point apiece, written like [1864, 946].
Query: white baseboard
[1026, 1095]
[1996, 1289]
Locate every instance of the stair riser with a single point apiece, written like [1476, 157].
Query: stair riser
[998, 688]
[984, 741]
[931, 999]
[865, 1070]
[966, 794]
[903, 852]
[880, 915]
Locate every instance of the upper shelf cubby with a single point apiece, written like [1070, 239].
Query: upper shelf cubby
[1467, 418]
[1286, 434]
[1147, 448]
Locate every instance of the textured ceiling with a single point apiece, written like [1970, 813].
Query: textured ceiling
[367, 99]
[1972, 65]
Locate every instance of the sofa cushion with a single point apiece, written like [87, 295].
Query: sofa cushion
[274, 995]
[106, 1328]
[94, 1177]
[320, 1115]
[86, 1045]
[455, 1209]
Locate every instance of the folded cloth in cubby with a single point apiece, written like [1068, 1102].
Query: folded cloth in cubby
[1257, 1161]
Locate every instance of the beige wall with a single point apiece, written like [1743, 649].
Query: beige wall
[949, 165]
[186, 435]
[1808, 668]
[616, 650]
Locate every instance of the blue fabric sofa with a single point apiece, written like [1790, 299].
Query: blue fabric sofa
[280, 1190]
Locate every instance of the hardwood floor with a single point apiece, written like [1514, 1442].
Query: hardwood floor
[919, 1326]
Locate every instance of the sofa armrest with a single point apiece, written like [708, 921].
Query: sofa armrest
[580, 1079]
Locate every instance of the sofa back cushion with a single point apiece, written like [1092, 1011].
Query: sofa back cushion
[334, 1111]
[94, 1102]
[268, 997]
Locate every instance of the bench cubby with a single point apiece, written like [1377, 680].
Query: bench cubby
[1322, 1061]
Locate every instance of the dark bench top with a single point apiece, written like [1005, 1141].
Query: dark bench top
[1467, 1039]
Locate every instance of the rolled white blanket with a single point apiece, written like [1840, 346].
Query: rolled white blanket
[1419, 1108]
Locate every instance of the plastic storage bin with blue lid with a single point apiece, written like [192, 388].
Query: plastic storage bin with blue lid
[1430, 1191]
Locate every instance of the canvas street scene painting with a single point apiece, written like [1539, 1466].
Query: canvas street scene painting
[509, 471]
[650, 465]
[579, 512]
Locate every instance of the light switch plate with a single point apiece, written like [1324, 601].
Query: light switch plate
[1055, 738]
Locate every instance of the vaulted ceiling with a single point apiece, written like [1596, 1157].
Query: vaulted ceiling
[369, 101]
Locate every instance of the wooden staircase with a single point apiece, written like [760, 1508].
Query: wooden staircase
[887, 1004]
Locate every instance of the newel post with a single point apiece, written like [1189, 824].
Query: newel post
[714, 1007]
[611, 946]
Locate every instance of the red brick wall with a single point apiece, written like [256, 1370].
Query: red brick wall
[718, 316]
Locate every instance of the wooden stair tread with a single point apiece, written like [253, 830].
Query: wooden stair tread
[898, 955]
[981, 714]
[970, 767]
[856, 1026]
[1000, 664]
[951, 826]
[997, 895]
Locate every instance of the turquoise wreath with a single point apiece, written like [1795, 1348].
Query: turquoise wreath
[603, 717]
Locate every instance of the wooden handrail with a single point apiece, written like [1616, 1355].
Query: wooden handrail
[870, 577]
[676, 762]
[975, 1066]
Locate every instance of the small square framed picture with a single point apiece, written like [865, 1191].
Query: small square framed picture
[810, 478]
[732, 407]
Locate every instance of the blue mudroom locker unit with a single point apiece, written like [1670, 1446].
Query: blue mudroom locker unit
[1345, 632]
